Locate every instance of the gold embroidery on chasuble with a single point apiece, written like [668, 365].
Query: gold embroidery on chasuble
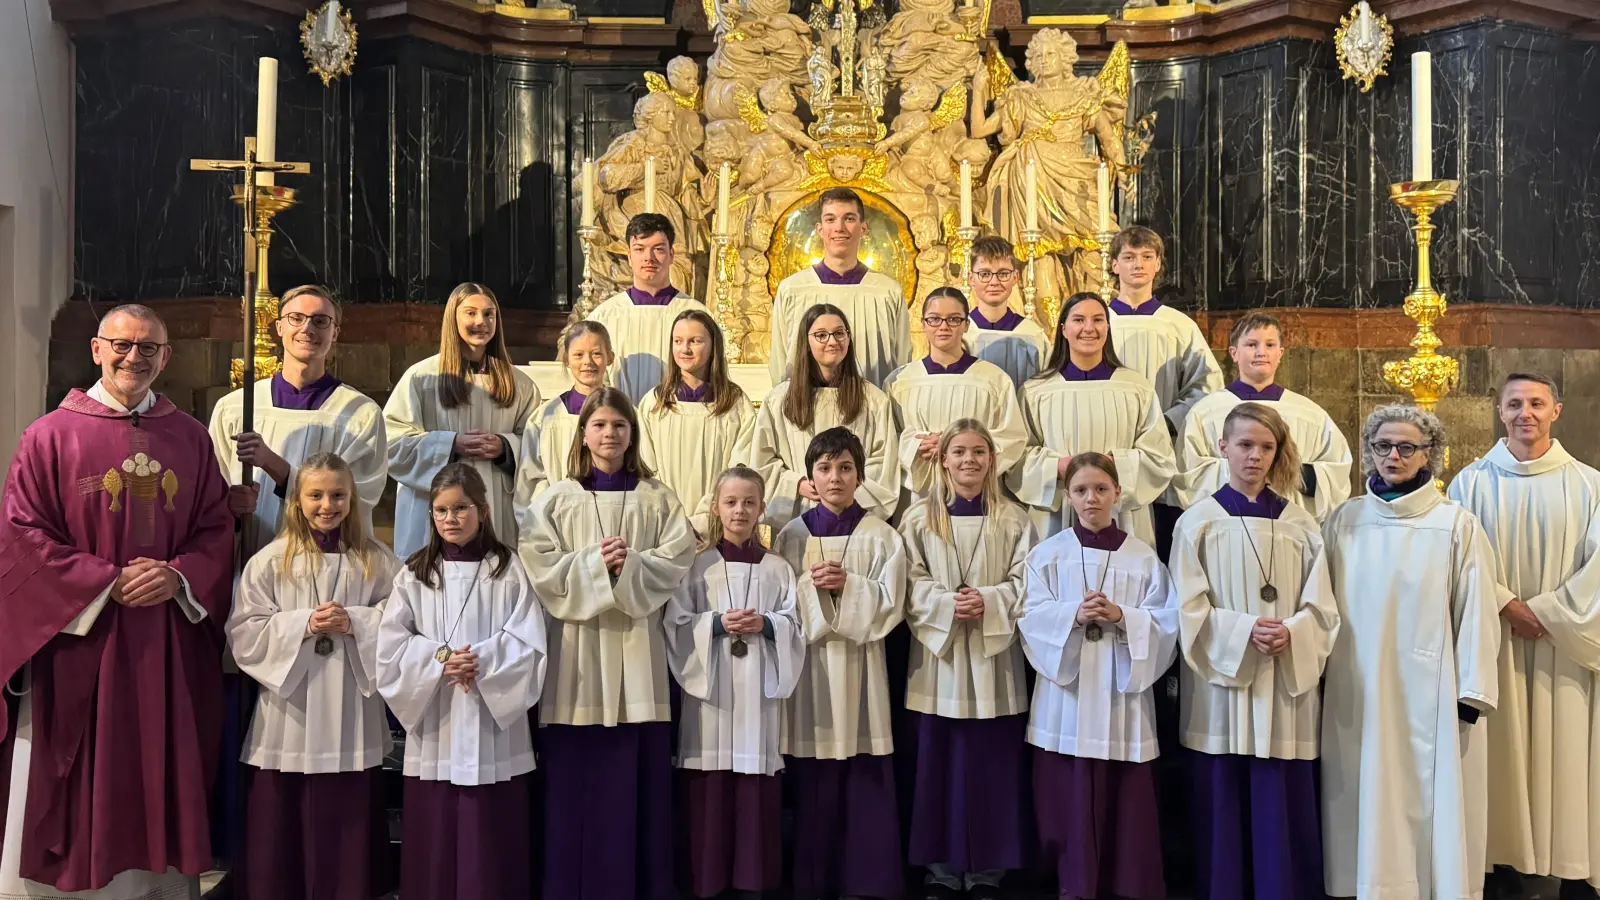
[136, 484]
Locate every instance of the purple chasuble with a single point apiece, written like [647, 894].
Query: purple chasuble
[573, 401]
[1101, 372]
[1108, 539]
[620, 480]
[1266, 506]
[1148, 308]
[829, 276]
[822, 522]
[84, 498]
[1272, 392]
[962, 506]
[326, 541]
[751, 552]
[1008, 322]
[959, 367]
[701, 394]
[308, 398]
[642, 297]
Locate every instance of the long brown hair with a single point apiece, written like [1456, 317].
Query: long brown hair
[1283, 476]
[944, 489]
[724, 393]
[428, 562]
[455, 386]
[800, 404]
[579, 463]
[1060, 352]
[714, 525]
[296, 529]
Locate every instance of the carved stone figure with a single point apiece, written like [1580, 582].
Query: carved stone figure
[682, 84]
[873, 83]
[925, 39]
[621, 182]
[756, 40]
[823, 73]
[918, 164]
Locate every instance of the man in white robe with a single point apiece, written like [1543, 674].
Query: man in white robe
[1000, 334]
[1541, 511]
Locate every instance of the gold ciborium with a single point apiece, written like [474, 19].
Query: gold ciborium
[270, 200]
[1425, 375]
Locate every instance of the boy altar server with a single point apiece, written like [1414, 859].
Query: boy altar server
[1541, 511]
[1000, 334]
[640, 318]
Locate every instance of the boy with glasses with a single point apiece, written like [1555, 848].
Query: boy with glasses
[999, 334]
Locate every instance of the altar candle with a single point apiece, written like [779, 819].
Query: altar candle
[1103, 185]
[1366, 23]
[966, 194]
[267, 117]
[588, 193]
[650, 185]
[724, 181]
[1032, 187]
[1422, 116]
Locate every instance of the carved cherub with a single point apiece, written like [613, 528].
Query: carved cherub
[919, 162]
[682, 84]
[757, 40]
[925, 39]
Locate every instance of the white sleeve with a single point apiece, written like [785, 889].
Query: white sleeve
[269, 643]
[415, 454]
[786, 658]
[1148, 467]
[409, 677]
[1052, 641]
[1215, 642]
[688, 620]
[511, 664]
[366, 449]
[1201, 376]
[1147, 639]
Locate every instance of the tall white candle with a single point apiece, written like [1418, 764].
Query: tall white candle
[724, 182]
[966, 194]
[1033, 196]
[650, 185]
[1422, 116]
[1366, 23]
[1103, 188]
[588, 193]
[267, 117]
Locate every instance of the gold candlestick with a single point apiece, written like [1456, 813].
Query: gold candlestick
[722, 257]
[270, 200]
[1108, 283]
[589, 236]
[1026, 251]
[1425, 375]
[961, 248]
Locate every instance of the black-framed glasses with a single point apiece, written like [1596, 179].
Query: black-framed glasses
[838, 337]
[147, 349]
[936, 321]
[985, 276]
[1406, 449]
[319, 321]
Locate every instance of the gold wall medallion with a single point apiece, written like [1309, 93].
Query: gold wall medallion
[1363, 42]
[329, 37]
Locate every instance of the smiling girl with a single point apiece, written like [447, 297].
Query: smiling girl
[585, 350]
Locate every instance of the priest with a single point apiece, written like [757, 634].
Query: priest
[115, 552]
[1541, 511]
[872, 302]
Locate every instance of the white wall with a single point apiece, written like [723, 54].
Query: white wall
[36, 96]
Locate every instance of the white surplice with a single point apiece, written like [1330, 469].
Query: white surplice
[1120, 418]
[641, 339]
[966, 669]
[546, 442]
[687, 447]
[733, 705]
[608, 655]
[1171, 352]
[1202, 471]
[776, 448]
[880, 322]
[1404, 779]
[928, 404]
[315, 714]
[1092, 698]
[349, 423]
[474, 736]
[840, 708]
[1543, 520]
[422, 436]
[1236, 700]
[1021, 352]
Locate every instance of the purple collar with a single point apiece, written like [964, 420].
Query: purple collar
[701, 394]
[823, 523]
[326, 541]
[472, 552]
[829, 276]
[1108, 539]
[1008, 322]
[752, 552]
[1148, 309]
[1266, 506]
[310, 397]
[641, 297]
[1273, 392]
[573, 401]
[961, 506]
[620, 480]
[959, 367]
[1101, 372]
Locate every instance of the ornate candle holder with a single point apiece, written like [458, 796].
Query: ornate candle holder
[1027, 251]
[269, 202]
[722, 257]
[1425, 375]
[961, 248]
[1108, 283]
[589, 236]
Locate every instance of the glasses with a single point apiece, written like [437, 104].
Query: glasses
[836, 337]
[985, 276]
[121, 347]
[1406, 449]
[320, 321]
[936, 321]
[458, 512]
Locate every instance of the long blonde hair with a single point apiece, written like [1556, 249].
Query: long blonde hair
[296, 530]
[944, 489]
[1283, 476]
[455, 388]
[714, 535]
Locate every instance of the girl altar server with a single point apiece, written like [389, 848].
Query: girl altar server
[1258, 619]
[1087, 401]
[1100, 625]
[692, 420]
[467, 404]
[585, 349]
[461, 660]
[826, 389]
[305, 626]
[850, 592]
[607, 546]
[734, 643]
[967, 545]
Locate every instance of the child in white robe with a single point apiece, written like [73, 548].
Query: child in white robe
[850, 588]
[1087, 401]
[607, 546]
[1100, 626]
[966, 687]
[461, 660]
[467, 404]
[305, 626]
[585, 349]
[827, 391]
[734, 643]
[691, 422]
[1000, 334]
[1257, 621]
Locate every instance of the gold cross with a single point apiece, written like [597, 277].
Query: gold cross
[249, 166]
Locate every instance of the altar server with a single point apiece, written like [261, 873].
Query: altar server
[692, 421]
[300, 411]
[850, 589]
[874, 301]
[467, 404]
[1000, 334]
[947, 385]
[966, 544]
[1541, 511]
[305, 627]
[1258, 620]
[1100, 626]
[827, 391]
[607, 546]
[1404, 775]
[585, 350]
[640, 318]
[1084, 401]
[461, 660]
[1256, 346]
[734, 644]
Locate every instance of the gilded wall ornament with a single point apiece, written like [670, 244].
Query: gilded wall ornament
[329, 38]
[1363, 42]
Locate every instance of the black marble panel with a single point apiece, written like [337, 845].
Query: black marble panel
[524, 241]
[657, 9]
[600, 103]
[1071, 7]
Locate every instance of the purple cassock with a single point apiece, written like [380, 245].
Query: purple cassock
[959, 367]
[127, 723]
[969, 812]
[1148, 308]
[829, 276]
[1101, 371]
[463, 843]
[1098, 824]
[1271, 393]
[642, 297]
[312, 836]
[311, 397]
[1007, 322]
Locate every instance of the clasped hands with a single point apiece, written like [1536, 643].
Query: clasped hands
[478, 445]
[969, 604]
[146, 582]
[1097, 607]
[1270, 636]
[613, 552]
[462, 667]
[329, 618]
[828, 576]
[743, 621]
